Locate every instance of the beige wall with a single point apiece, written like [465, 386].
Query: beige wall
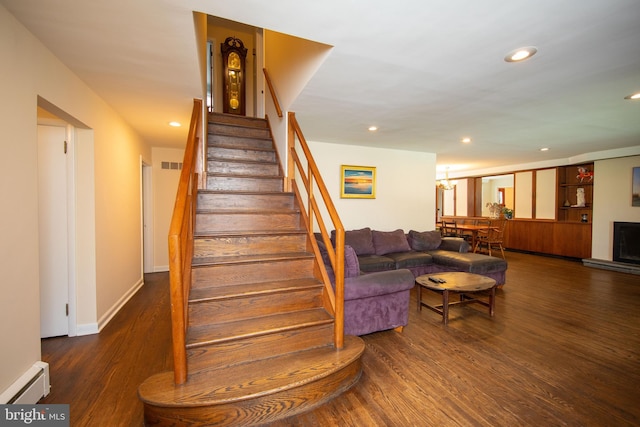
[165, 187]
[611, 202]
[29, 70]
[404, 189]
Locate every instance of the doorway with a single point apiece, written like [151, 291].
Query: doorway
[54, 215]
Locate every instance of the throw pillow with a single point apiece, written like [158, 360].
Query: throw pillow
[386, 242]
[360, 240]
[351, 263]
[425, 240]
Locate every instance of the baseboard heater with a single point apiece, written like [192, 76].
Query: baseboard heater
[30, 387]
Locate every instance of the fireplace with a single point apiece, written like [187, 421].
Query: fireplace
[626, 242]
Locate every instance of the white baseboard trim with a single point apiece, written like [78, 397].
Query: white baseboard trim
[30, 387]
[87, 329]
[104, 320]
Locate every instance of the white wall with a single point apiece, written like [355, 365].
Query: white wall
[29, 70]
[611, 202]
[165, 188]
[291, 62]
[546, 194]
[405, 187]
[462, 188]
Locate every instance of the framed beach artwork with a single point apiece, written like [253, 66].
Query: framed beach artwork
[635, 187]
[358, 182]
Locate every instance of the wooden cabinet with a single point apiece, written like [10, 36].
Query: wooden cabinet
[571, 180]
[570, 239]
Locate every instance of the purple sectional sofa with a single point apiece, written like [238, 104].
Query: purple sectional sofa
[380, 270]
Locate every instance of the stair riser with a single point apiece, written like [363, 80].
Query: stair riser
[254, 348]
[245, 201]
[215, 141]
[260, 410]
[219, 222]
[204, 313]
[243, 168]
[248, 245]
[225, 183]
[242, 154]
[246, 132]
[238, 120]
[236, 274]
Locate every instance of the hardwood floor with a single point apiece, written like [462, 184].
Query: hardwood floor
[562, 350]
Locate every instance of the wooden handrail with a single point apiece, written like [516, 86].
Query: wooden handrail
[312, 215]
[272, 91]
[181, 243]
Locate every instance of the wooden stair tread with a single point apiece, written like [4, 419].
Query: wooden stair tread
[244, 146]
[213, 158]
[243, 259]
[217, 117]
[252, 379]
[250, 289]
[247, 211]
[256, 326]
[246, 193]
[230, 175]
[248, 233]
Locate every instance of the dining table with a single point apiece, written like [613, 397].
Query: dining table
[472, 230]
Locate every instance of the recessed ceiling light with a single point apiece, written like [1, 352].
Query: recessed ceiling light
[633, 96]
[175, 124]
[520, 54]
[466, 140]
[373, 128]
[544, 149]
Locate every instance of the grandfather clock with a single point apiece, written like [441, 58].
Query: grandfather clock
[233, 58]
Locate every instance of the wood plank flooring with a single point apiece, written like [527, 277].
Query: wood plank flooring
[562, 350]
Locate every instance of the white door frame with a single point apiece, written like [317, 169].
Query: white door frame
[146, 201]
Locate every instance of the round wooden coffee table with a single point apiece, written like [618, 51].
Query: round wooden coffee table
[458, 282]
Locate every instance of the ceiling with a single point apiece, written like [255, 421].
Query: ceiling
[427, 73]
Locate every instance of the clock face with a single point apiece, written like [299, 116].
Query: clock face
[234, 61]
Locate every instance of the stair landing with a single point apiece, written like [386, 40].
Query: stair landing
[246, 394]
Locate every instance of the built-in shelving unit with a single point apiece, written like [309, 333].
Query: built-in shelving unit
[570, 180]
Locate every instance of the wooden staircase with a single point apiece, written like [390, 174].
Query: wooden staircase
[260, 337]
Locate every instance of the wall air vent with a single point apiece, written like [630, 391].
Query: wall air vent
[172, 165]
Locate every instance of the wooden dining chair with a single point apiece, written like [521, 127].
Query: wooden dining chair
[493, 236]
[448, 229]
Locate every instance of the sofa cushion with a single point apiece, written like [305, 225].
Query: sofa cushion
[455, 244]
[425, 240]
[377, 284]
[372, 263]
[410, 259]
[468, 262]
[360, 240]
[386, 242]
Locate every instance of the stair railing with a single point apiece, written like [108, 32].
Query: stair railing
[181, 241]
[311, 178]
[272, 91]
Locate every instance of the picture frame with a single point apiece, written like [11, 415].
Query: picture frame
[357, 182]
[635, 187]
